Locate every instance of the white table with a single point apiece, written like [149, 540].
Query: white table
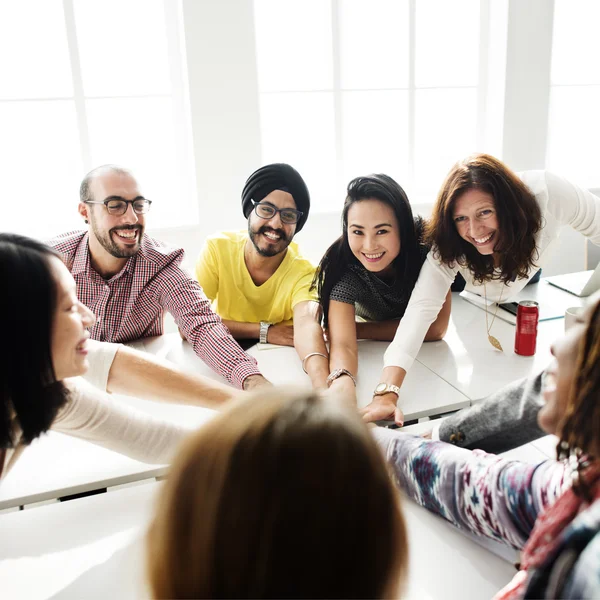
[469, 363]
[423, 393]
[57, 465]
[93, 548]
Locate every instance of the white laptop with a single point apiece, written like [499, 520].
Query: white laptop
[580, 284]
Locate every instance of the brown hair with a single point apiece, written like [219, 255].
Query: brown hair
[579, 429]
[518, 212]
[285, 495]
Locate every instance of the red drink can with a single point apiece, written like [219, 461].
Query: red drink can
[528, 314]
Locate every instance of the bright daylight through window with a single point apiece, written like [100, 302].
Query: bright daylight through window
[66, 107]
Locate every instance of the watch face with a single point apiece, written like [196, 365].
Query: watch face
[381, 387]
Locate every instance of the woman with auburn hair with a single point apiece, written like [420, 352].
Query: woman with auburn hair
[369, 272]
[496, 229]
[45, 326]
[551, 511]
[262, 503]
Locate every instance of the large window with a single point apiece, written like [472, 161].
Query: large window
[574, 122]
[349, 87]
[88, 82]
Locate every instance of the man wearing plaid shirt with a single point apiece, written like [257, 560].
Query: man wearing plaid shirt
[129, 279]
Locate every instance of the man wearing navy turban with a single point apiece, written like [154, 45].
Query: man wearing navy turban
[257, 280]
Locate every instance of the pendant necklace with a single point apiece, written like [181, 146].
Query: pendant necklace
[492, 340]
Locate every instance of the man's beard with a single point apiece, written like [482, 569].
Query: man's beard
[271, 250]
[106, 240]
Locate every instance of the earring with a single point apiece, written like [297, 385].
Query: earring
[86, 221]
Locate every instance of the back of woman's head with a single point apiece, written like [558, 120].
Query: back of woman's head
[518, 212]
[28, 389]
[580, 428]
[285, 495]
[339, 256]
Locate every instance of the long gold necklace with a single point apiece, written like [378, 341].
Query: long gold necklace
[492, 340]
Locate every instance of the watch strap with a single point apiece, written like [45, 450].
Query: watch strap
[389, 387]
[263, 331]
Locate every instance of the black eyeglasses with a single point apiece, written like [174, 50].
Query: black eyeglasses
[119, 207]
[289, 216]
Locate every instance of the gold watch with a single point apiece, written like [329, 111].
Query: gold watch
[384, 388]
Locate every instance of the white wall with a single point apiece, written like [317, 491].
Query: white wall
[225, 119]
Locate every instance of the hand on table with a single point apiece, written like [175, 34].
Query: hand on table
[383, 408]
[283, 335]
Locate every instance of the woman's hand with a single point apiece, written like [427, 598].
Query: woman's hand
[383, 408]
[343, 387]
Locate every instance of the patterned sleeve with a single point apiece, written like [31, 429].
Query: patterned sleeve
[347, 289]
[182, 296]
[477, 492]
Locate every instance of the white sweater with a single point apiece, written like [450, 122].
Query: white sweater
[562, 203]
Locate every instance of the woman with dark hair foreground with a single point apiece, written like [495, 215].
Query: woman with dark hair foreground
[497, 229]
[369, 272]
[262, 502]
[552, 510]
[44, 335]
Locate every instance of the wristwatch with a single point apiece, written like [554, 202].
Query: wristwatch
[338, 373]
[262, 334]
[384, 388]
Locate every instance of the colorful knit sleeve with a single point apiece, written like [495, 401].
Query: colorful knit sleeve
[478, 492]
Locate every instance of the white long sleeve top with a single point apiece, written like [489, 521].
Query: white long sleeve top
[562, 203]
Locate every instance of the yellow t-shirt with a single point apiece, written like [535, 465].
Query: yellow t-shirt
[222, 273]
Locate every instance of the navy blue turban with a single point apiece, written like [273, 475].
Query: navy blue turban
[278, 176]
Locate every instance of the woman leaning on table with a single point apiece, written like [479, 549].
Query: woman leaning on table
[44, 335]
[550, 511]
[497, 229]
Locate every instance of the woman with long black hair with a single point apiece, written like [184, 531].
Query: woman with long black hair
[369, 272]
[45, 335]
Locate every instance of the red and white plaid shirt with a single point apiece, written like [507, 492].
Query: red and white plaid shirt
[132, 304]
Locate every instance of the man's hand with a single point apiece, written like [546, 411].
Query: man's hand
[253, 382]
[281, 334]
[383, 408]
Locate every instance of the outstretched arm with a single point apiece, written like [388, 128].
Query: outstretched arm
[308, 338]
[135, 373]
[343, 352]
[204, 330]
[477, 492]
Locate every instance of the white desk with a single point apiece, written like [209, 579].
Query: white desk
[93, 548]
[423, 393]
[57, 465]
[469, 363]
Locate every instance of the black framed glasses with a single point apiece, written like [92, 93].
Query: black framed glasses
[289, 216]
[118, 206]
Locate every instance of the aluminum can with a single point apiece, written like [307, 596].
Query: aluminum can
[528, 315]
